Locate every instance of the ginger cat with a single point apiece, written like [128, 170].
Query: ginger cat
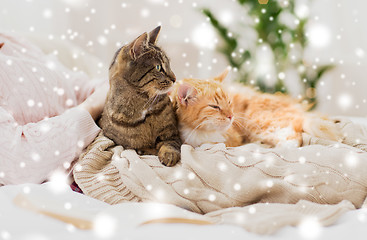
[210, 113]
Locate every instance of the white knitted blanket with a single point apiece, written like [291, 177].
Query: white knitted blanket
[261, 189]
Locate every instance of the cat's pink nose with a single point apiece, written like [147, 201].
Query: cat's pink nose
[230, 117]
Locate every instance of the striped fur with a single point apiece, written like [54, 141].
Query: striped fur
[138, 113]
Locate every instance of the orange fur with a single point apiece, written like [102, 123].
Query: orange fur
[238, 118]
[199, 118]
[211, 112]
[270, 119]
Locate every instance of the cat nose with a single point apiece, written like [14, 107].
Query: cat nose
[172, 76]
[230, 116]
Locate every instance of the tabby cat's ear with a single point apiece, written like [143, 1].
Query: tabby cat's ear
[1, 45]
[222, 76]
[153, 35]
[139, 45]
[186, 94]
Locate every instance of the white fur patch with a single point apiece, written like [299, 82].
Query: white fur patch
[282, 137]
[289, 143]
[198, 137]
[321, 128]
[284, 133]
[144, 113]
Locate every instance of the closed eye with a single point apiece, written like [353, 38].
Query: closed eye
[214, 106]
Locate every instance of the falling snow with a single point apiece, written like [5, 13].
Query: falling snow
[109, 34]
[191, 176]
[212, 197]
[351, 160]
[104, 225]
[302, 160]
[80, 144]
[252, 210]
[66, 165]
[310, 228]
[35, 157]
[58, 182]
[241, 159]
[26, 190]
[30, 102]
[67, 205]
[237, 186]
[222, 166]
[5, 235]
[269, 183]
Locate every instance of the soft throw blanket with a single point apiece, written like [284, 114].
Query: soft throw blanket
[261, 189]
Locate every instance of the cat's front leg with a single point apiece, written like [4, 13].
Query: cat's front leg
[169, 154]
[283, 137]
[168, 142]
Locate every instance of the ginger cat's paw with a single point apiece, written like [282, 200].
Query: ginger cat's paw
[169, 155]
[293, 143]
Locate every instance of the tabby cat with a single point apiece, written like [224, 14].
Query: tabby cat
[138, 113]
[208, 112]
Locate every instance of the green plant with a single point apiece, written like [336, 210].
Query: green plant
[280, 38]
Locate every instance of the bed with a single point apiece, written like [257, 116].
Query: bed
[122, 221]
[53, 211]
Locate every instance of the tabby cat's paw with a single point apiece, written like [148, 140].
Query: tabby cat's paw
[169, 155]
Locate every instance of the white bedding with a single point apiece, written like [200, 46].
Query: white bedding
[122, 221]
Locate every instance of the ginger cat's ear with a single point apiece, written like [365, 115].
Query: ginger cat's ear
[186, 94]
[1, 45]
[222, 76]
[153, 35]
[138, 46]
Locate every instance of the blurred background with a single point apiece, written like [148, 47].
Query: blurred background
[314, 50]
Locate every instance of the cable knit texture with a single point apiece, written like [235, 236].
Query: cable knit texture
[41, 129]
[261, 189]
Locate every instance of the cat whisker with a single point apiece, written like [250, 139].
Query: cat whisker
[238, 124]
[152, 100]
[246, 124]
[247, 120]
[200, 124]
[155, 98]
[149, 99]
